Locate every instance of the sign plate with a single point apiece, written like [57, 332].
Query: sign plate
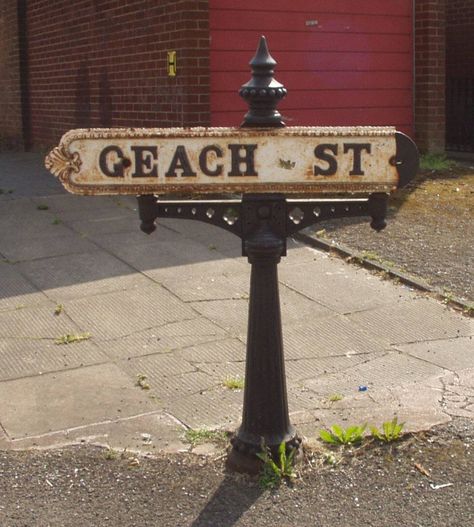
[187, 161]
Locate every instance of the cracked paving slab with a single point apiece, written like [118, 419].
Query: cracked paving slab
[67, 277]
[24, 358]
[173, 336]
[417, 405]
[121, 313]
[145, 434]
[67, 399]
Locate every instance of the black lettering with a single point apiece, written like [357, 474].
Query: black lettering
[117, 168]
[145, 158]
[357, 148]
[203, 161]
[180, 161]
[238, 159]
[321, 153]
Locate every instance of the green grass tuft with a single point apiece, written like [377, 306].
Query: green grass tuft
[203, 435]
[432, 161]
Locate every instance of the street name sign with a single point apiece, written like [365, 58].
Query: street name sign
[186, 161]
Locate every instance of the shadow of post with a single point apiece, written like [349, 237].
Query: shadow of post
[229, 502]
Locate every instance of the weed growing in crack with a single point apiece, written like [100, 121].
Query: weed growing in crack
[340, 436]
[233, 383]
[202, 435]
[72, 338]
[391, 431]
[275, 471]
[142, 382]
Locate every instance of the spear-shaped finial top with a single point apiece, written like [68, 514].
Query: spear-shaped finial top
[262, 92]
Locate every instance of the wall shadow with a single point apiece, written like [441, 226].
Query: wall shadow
[105, 100]
[82, 108]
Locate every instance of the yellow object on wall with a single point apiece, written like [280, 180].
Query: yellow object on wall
[171, 63]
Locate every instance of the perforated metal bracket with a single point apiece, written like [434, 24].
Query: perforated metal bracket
[243, 217]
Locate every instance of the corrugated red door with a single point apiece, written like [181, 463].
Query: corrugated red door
[343, 62]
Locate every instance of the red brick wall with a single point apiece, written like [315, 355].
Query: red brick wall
[104, 63]
[430, 46]
[10, 94]
[460, 39]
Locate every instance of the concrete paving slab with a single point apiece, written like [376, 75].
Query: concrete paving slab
[199, 286]
[144, 434]
[208, 235]
[24, 173]
[44, 246]
[213, 409]
[118, 221]
[303, 369]
[451, 354]
[75, 208]
[356, 289]
[24, 358]
[460, 383]
[68, 399]
[16, 291]
[21, 212]
[414, 418]
[458, 393]
[79, 275]
[123, 313]
[223, 350]
[114, 242]
[330, 336]
[174, 336]
[223, 371]
[24, 225]
[158, 366]
[416, 404]
[36, 323]
[297, 254]
[167, 386]
[232, 315]
[414, 321]
[392, 369]
[168, 258]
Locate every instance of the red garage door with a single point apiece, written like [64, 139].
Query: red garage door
[343, 62]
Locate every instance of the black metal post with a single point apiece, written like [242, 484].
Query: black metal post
[265, 418]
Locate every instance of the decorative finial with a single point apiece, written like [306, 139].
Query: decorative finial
[262, 92]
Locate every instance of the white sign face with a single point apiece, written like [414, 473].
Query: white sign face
[226, 160]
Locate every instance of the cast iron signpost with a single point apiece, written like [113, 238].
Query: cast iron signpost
[265, 162]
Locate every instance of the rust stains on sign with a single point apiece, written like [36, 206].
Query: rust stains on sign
[226, 160]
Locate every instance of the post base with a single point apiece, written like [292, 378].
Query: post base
[243, 456]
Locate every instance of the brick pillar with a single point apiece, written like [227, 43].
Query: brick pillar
[11, 126]
[430, 51]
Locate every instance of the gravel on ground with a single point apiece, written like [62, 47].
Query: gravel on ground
[424, 480]
[429, 233]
